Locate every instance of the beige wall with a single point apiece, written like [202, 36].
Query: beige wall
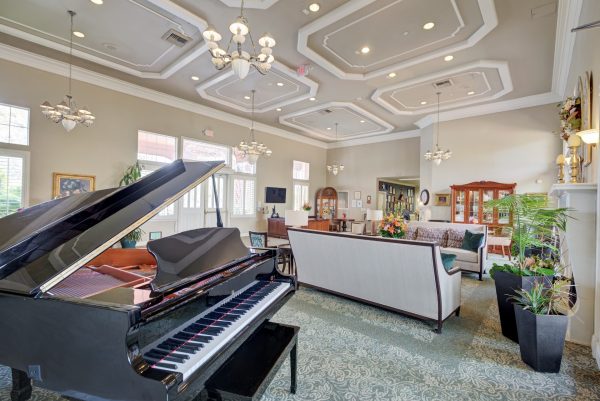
[106, 148]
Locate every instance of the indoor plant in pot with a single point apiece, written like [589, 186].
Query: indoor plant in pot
[532, 221]
[541, 325]
[131, 175]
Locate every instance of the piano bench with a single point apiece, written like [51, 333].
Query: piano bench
[248, 372]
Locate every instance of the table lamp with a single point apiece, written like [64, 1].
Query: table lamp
[373, 216]
[296, 218]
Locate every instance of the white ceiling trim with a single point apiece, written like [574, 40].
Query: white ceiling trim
[569, 12]
[385, 126]
[165, 5]
[50, 65]
[488, 12]
[260, 4]
[313, 87]
[500, 66]
[393, 136]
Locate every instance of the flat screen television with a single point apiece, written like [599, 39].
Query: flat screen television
[274, 195]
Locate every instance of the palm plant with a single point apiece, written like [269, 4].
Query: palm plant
[131, 175]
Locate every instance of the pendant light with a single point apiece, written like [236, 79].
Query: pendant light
[336, 167]
[438, 155]
[253, 150]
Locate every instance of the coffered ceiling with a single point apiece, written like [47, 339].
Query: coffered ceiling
[374, 66]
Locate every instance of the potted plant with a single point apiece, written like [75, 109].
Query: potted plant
[541, 325]
[306, 206]
[131, 175]
[392, 226]
[533, 221]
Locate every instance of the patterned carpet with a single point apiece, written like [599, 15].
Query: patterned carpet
[349, 351]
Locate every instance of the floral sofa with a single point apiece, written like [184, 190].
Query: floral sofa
[450, 237]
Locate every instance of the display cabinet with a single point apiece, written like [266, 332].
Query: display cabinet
[326, 201]
[468, 203]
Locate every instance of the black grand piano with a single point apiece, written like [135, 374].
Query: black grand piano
[163, 339]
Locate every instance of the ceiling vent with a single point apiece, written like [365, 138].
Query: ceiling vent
[326, 111]
[443, 84]
[177, 38]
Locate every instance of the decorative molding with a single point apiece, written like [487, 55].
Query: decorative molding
[260, 4]
[385, 126]
[500, 66]
[488, 13]
[278, 67]
[568, 17]
[393, 136]
[166, 5]
[47, 64]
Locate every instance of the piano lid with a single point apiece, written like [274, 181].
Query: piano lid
[42, 245]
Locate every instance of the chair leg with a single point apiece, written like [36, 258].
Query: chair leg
[457, 312]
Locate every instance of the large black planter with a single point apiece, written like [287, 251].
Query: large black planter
[541, 339]
[506, 284]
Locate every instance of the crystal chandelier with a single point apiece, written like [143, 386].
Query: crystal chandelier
[336, 167]
[438, 155]
[240, 59]
[253, 150]
[67, 112]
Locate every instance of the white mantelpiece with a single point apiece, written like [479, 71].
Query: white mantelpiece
[578, 250]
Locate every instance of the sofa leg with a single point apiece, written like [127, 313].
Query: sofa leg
[480, 276]
[457, 312]
[438, 330]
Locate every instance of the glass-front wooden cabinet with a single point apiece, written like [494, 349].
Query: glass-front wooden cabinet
[468, 203]
[326, 203]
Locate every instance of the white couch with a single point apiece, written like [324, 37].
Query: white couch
[468, 261]
[403, 276]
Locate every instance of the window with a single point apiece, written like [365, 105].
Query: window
[167, 212]
[300, 195]
[244, 196]
[204, 151]
[14, 125]
[13, 165]
[301, 170]
[220, 181]
[156, 147]
[240, 164]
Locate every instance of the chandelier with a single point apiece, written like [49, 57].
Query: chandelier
[67, 112]
[438, 154]
[253, 150]
[240, 59]
[336, 167]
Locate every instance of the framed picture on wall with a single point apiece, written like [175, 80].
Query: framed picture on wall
[357, 195]
[442, 199]
[71, 184]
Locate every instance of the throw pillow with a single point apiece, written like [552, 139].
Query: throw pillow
[436, 235]
[448, 260]
[472, 241]
[411, 233]
[455, 238]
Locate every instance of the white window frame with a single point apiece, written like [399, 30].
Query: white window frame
[185, 138]
[303, 183]
[157, 134]
[12, 106]
[300, 179]
[25, 155]
[245, 177]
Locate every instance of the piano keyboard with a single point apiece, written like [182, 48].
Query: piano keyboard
[188, 347]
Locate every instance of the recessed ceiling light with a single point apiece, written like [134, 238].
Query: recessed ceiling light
[449, 58]
[423, 102]
[392, 75]
[428, 26]
[195, 78]
[278, 109]
[365, 50]
[312, 99]
[314, 7]
[362, 121]
[247, 97]
[470, 93]
[328, 128]
[79, 34]
[97, 1]
[279, 83]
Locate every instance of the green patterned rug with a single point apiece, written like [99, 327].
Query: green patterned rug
[349, 351]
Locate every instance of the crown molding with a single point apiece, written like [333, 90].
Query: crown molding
[47, 64]
[569, 12]
[394, 136]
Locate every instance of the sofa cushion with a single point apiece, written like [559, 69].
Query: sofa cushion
[462, 255]
[472, 241]
[437, 235]
[455, 238]
[411, 232]
[448, 260]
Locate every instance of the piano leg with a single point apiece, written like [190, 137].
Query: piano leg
[294, 367]
[21, 386]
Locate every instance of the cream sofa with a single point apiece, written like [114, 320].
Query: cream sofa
[468, 261]
[403, 276]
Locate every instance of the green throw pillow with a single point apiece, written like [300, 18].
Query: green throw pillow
[448, 260]
[472, 241]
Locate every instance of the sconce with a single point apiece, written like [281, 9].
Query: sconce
[590, 138]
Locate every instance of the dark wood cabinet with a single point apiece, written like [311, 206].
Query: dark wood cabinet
[326, 203]
[468, 201]
[276, 226]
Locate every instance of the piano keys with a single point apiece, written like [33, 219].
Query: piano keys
[90, 333]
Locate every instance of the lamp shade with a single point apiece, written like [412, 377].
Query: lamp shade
[574, 141]
[296, 218]
[374, 215]
[589, 136]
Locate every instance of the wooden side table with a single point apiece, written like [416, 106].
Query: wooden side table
[502, 242]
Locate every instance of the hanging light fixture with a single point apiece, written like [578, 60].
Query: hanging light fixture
[253, 150]
[336, 167]
[438, 155]
[240, 59]
[67, 112]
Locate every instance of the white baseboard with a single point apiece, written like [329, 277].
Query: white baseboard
[596, 348]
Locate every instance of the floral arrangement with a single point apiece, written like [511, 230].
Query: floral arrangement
[570, 116]
[306, 206]
[392, 226]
